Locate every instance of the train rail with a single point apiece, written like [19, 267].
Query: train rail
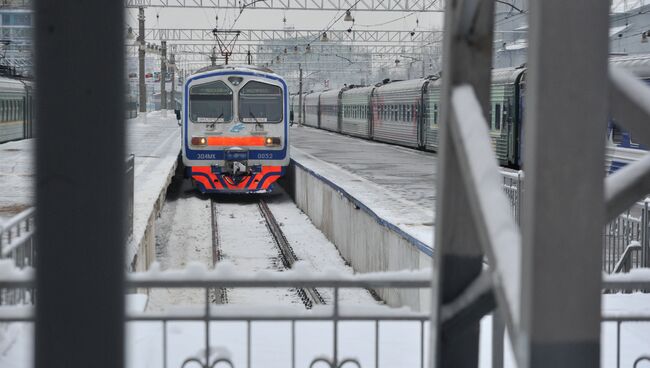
[309, 296]
[285, 255]
[221, 296]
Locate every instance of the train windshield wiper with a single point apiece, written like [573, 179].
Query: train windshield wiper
[257, 123]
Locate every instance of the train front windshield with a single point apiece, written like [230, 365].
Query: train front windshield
[260, 103]
[211, 102]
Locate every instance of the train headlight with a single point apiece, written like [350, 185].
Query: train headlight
[272, 141]
[199, 141]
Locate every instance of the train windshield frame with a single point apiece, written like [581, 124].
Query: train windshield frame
[211, 102]
[261, 102]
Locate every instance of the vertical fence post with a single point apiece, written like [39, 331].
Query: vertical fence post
[566, 98]
[645, 251]
[80, 184]
[459, 259]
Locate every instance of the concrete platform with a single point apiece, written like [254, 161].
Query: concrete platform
[374, 201]
[154, 141]
[405, 172]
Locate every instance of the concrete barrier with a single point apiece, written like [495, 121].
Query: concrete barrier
[366, 241]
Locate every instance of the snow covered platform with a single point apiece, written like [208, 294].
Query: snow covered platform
[374, 201]
[153, 141]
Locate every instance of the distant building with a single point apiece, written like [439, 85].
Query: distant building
[16, 46]
[629, 30]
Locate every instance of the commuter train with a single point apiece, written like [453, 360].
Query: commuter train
[16, 109]
[407, 113]
[234, 123]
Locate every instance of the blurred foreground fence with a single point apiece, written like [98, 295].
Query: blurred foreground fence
[626, 240]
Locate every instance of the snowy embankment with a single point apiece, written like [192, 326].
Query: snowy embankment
[154, 142]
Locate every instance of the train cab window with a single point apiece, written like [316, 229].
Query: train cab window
[262, 102]
[497, 117]
[211, 102]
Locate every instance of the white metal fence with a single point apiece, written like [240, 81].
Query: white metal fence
[626, 239]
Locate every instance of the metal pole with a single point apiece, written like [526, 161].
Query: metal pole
[80, 218]
[300, 95]
[172, 66]
[566, 97]
[142, 91]
[163, 76]
[459, 258]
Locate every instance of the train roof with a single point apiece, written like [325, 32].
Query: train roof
[11, 85]
[234, 67]
[364, 90]
[506, 75]
[401, 85]
[331, 92]
[638, 65]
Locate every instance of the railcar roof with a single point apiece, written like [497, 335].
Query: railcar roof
[331, 93]
[639, 65]
[401, 85]
[506, 75]
[11, 85]
[234, 67]
[358, 91]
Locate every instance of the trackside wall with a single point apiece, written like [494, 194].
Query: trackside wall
[364, 239]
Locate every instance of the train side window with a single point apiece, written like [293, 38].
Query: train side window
[497, 117]
[617, 134]
[435, 114]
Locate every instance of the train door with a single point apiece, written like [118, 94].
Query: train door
[421, 121]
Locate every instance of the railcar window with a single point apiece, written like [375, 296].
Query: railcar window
[617, 134]
[435, 114]
[211, 102]
[262, 102]
[497, 117]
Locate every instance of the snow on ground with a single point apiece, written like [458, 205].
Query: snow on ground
[245, 240]
[16, 177]
[183, 236]
[313, 248]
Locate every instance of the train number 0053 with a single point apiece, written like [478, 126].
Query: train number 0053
[264, 156]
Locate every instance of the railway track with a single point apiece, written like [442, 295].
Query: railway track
[309, 296]
[218, 296]
[285, 254]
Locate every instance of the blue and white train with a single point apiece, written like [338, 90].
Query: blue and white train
[235, 129]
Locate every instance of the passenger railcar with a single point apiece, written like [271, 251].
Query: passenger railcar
[329, 110]
[16, 110]
[312, 109]
[235, 129]
[408, 113]
[504, 120]
[356, 114]
[397, 113]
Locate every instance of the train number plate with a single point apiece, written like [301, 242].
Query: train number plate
[236, 155]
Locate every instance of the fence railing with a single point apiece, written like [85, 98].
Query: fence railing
[626, 239]
[205, 348]
[17, 250]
